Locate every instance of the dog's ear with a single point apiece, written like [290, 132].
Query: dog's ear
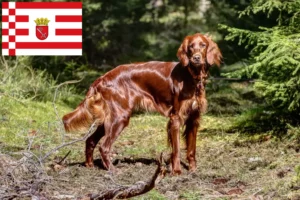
[182, 53]
[213, 54]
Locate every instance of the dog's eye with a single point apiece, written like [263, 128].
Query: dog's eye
[202, 45]
[191, 46]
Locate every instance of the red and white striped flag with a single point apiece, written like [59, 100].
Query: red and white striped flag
[41, 28]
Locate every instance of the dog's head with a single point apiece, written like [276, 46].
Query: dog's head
[198, 50]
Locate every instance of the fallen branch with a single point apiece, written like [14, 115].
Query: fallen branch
[29, 171]
[88, 134]
[140, 187]
[64, 158]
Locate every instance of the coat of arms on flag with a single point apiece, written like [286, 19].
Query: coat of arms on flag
[41, 28]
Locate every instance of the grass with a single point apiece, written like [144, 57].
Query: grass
[231, 164]
[135, 139]
[32, 120]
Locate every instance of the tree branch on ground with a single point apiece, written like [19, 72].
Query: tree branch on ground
[140, 187]
[88, 134]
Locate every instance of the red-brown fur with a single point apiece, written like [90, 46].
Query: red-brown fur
[176, 90]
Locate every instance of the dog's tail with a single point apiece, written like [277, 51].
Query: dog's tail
[91, 109]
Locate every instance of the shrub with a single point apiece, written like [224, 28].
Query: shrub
[275, 59]
[21, 82]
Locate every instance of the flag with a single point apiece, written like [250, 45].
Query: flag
[41, 28]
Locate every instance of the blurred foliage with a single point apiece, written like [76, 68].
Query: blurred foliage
[117, 32]
[275, 62]
[231, 99]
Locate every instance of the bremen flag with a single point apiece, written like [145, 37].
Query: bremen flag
[41, 28]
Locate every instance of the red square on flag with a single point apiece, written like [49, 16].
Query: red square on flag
[12, 38]
[41, 28]
[11, 11]
[11, 25]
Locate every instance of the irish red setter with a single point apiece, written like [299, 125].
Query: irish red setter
[176, 90]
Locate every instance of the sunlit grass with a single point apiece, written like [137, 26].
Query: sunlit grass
[32, 120]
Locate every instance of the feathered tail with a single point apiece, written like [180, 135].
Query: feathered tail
[91, 109]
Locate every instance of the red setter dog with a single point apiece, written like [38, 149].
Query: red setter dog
[176, 90]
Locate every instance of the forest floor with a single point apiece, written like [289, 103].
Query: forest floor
[230, 165]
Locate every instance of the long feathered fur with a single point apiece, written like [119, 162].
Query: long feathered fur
[91, 109]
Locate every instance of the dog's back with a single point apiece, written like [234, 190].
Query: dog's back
[130, 87]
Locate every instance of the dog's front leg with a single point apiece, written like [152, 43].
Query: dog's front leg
[174, 138]
[190, 134]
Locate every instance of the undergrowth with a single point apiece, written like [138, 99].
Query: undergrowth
[32, 104]
[19, 81]
[227, 99]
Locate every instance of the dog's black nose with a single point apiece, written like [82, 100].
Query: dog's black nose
[196, 57]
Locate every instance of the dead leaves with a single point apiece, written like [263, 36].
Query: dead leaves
[218, 181]
[234, 191]
[282, 173]
[223, 186]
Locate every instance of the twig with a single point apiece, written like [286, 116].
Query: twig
[9, 196]
[63, 159]
[32, 74]
[88, 134]
[55, 94]
[258, 191]
[117, 184]
[31, 80]
[54, 99]
[4, 62]
[30, 140]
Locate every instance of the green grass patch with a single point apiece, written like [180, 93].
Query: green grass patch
[139, 138]
[153, 194]
[34, 121]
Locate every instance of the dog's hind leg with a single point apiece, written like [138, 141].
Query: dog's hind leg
[113, 128]
[90, 145]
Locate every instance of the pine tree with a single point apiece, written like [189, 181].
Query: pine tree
[275, 56]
